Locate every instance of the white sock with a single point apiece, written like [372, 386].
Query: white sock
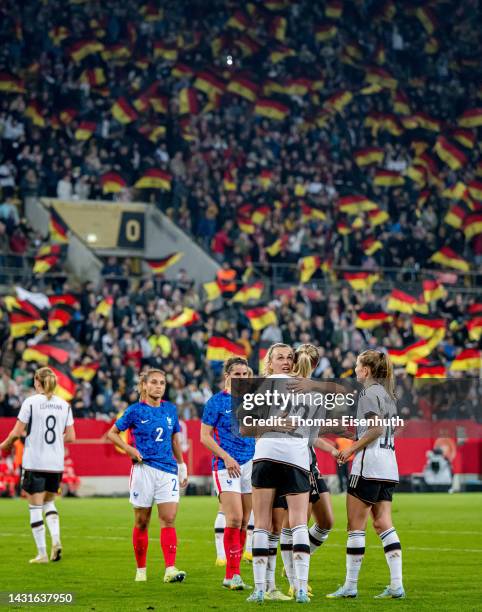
[301, 555]
[271, 569]
[260, 558]
[52, 520]
[393, 555]
[219, 525]
[249, 533]
[355, 550]
[286, 545]
[38, 529]
[317, 537]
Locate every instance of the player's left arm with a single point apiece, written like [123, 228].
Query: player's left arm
[177, 452]
[15, 434]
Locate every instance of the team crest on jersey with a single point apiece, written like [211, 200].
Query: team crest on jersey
[169, 421]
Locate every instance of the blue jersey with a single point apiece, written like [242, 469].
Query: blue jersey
[218, 413]
[153, 428]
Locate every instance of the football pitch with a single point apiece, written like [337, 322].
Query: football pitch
[441, 538]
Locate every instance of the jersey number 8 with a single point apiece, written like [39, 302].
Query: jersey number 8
[50, 435]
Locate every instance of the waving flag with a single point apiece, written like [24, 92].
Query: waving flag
[123, 111]
[261, 317]
[221, 348]
[355, 204]
[370, 320]
[154, 179]
[57, 227]
[86, 371]
[85, 130]
[159, 266]
[112, 182]
[59, 316]
[271, 109]
[308, 266]
[432, 291]
[473, 225]
[361, 281]
[425, 327]
[243, 87]
[449, 258]
[449, 153]
[41, 353]
[471, 118]
[187, 317]
[212, 290]
[467, 359]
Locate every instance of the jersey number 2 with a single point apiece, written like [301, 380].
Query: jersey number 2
[159, 435]
[50, 436]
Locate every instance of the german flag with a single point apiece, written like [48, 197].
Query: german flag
[68, 115]
[266, 178]
[425, 327]
[209, 84]
[467, 359]
[427, 19]
[59, 317]
[456, 192]
[377, 217]
[475, 189]
[370, 320]
[123, 112]
[413, 352]
[238, 21]
[471, 118]
[432, 291]
[116, 53]
[11, 84]
[309, 213]
[430, 371]
[41, 353]
[85, 130]
[449, 153]
[93, 77]
[448, 257]
[368, 156]
[247, 45]
[23, 324]
[297, 87]
[188, 103]
[112, 182]
[361, 281]
[46, 258]
[159, 266]
[57, 227]
[474, 327]
[104, 307]
[427, 122]
[221, 348]
[229, 181]
[187, 317]
[153, 134]
[243, 87]
[343, 228]
[261, 317]
[64, 298]
[455, 216]
[355, 204]
[339, 100]
[465, 138]
[86, 371]
[154, 179]
[418, 174]
[260, 214]
[399, 301]
[334, 9]
[325, 32]
[181, 71]
[248, 293]
[276, 247]
[473, 225]
[34, 113]
[276, 5]
[388, 178]
[380, 76]
[151, 12]
[280, 53]
[475, 309]
[371, 245]
[82, 48]
[246, 225]
[167, 52]
[401, 103]
[58, 34]
[308, 266]
[212, 290]
[271, 109]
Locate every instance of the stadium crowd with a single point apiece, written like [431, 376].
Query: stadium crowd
[272, 133]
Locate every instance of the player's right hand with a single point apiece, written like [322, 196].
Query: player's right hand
[134, 454]
[234, 470]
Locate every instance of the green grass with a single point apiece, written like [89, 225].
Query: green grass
[441, 539]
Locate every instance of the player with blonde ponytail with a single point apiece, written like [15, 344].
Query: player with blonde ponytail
[48, 423]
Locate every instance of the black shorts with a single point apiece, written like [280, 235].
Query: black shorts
[371, 491]
[318, 486]
[38, 482]
[286, 479]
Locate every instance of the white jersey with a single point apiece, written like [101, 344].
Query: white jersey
[281, 447]
[377, 461]
[46, 421]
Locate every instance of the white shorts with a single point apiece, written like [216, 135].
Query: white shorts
[147, 485]
[225, 484]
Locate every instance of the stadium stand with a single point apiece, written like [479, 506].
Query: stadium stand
[326, 154]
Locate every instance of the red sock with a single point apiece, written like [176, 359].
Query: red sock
[140, 541]
[232, 548]
[242, 538]
[169, 545]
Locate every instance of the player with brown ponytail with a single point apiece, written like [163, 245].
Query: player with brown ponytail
[374, 474]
